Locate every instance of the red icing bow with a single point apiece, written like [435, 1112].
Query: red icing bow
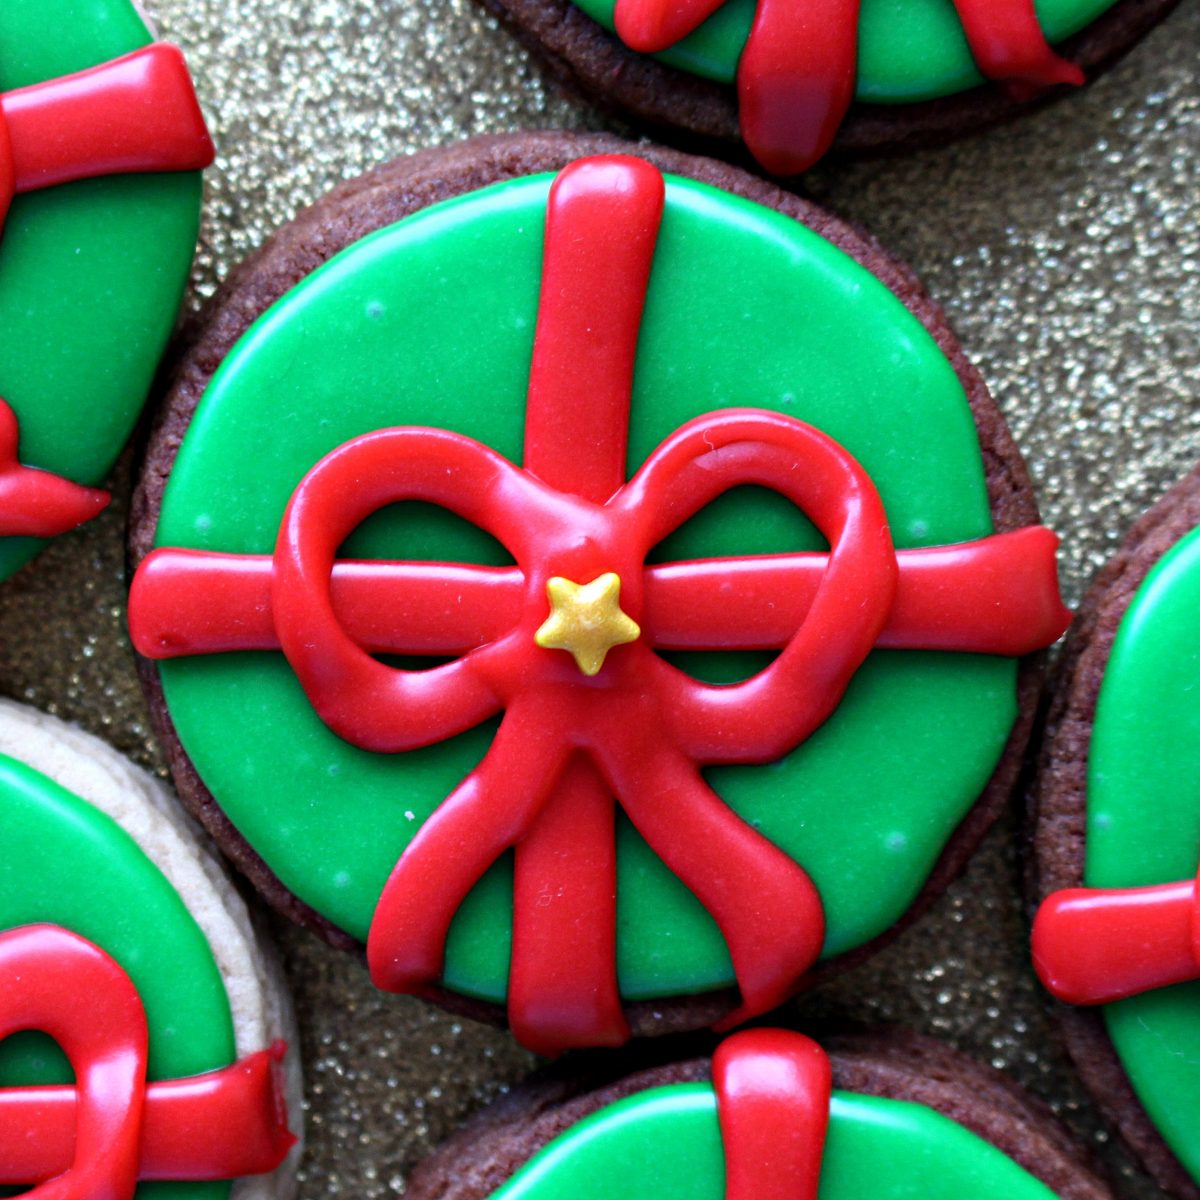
[1097, 945]
[100, 1135]
[135, 114]
[797, 73]
[610, 719]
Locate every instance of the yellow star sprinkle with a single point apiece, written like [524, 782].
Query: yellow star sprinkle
[586, 619]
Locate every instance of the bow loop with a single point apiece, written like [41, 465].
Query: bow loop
[43, 972]
[375, 706]
[768, 715]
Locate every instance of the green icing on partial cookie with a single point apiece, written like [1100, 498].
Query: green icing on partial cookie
[90, 273]
[431, 322]
[666, 1143]
[909, 50]
[1144, 822]
[65, 863]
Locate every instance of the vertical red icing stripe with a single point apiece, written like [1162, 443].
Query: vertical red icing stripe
[1008, 44]
[562, 988]
[773, 1089]
[602, 224]
[796, 80]
[601, 228]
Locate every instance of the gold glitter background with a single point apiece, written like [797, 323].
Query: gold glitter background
[1067, 251]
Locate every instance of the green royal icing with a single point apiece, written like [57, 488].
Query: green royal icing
[908, 50]
[66, 863]
[666, 1143]
[90, 273]
[1144, 822]
[420, 324]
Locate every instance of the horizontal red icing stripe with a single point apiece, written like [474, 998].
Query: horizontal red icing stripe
[135, 114]
[221, 1125]
[994, 596]
[1094, 946]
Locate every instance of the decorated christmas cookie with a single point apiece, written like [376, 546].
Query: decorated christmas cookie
[771, 1117]
[1118, 841]
[142, 1022]
[101, 144]
[790, 78]
[601, 594]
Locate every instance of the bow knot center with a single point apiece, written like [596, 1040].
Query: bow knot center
[586, 620]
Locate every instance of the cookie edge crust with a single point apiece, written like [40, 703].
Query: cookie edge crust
[404, 186]
[1057, 803]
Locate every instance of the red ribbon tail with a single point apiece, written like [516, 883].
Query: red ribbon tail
[41, 504]
[764, 903]
[562, 991]
[1008, 45]
[487, 814]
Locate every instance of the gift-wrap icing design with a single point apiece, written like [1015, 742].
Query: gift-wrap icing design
[668, 834]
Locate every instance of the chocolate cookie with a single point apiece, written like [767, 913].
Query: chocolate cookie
[1116, 809]
[792, 80]
[726, 696]
[124, 941]
[757, 1122]
[101, 144]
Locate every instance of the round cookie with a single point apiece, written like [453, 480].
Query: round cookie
[758, 1121]
[1116, 838]
[384, 813]
[123, 941]
[101, 144]
[790, 80]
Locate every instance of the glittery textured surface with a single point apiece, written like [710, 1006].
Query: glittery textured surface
[1067, 251]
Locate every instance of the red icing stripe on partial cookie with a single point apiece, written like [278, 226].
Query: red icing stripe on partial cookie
[1095, 945]
[773, 1091]
[98, 1137]
[797, 73]
[584, 729]
[37, 503]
